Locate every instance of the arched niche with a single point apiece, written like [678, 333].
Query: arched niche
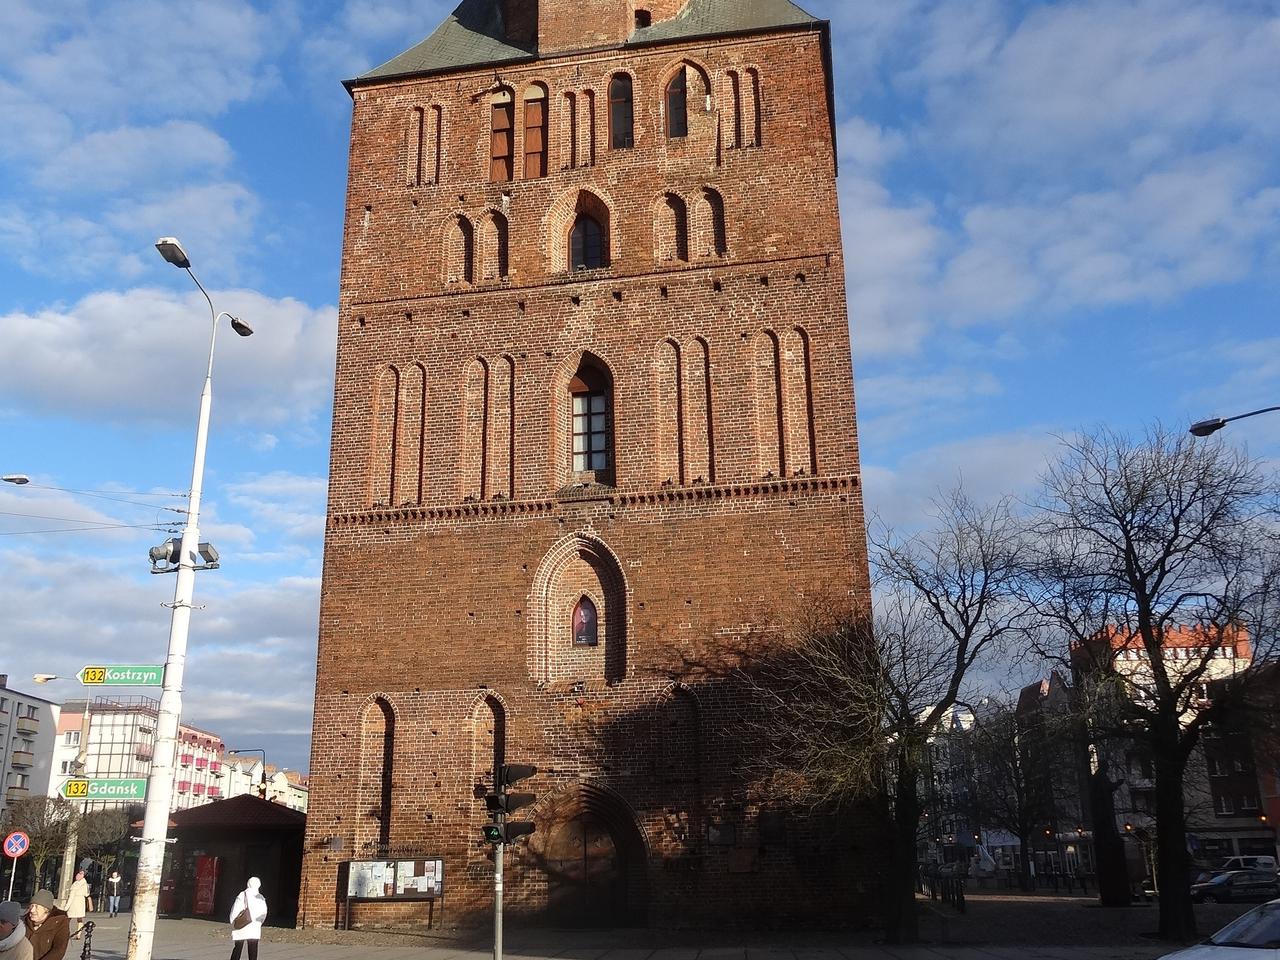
[579, 568]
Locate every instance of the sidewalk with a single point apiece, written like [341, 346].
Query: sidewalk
[203, 940]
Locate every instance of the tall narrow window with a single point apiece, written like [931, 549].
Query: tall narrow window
[586, 244]
[570, 122]
[586, 628]
[735, 91]
[535, 132]
[621, 113]
[414, 141]
[678, 105]
[501, 138]
[590, 426]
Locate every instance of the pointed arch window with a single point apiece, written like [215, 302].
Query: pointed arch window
[589, 393]
[586, 244]
[586, 626]
[678, 104]
[502, 138]
[535, 132]
[621, 113]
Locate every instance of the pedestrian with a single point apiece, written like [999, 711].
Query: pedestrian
[113, 893]
[247, 914]
[78, 903]
[48, 928]
[13, 935]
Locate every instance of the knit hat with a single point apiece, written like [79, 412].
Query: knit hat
[44, 898]
[11, 912]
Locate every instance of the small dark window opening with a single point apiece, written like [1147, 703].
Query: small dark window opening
[643, 19]
[586, 244]
[535, 134]
[621, 113]
[586, 630]
[677, 104]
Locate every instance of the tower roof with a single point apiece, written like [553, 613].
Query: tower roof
[474, 34]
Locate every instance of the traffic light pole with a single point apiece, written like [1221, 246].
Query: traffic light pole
[497, 900]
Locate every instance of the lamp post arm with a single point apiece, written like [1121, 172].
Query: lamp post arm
[1252, 413]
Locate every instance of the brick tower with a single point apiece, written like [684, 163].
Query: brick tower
[593, 418]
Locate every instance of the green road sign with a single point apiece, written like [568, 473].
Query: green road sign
[131, 675]
[81, 788]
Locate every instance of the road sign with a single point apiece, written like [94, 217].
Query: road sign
[127, 788]
[129, 675]
[16, 844]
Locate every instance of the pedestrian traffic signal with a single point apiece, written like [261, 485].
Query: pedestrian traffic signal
[502, 802]
[507, 832]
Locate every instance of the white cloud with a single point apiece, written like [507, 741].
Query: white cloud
[366, 33]
[129, 355]
[988, 467]
[1099, 85]
[113, 159]
[292, 504]
[891, 254]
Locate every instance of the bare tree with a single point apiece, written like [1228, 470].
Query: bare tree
[45, 821]
[1156, 557]
[848, 711]
[99, 835]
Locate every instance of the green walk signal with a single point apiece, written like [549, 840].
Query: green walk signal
[506, 832]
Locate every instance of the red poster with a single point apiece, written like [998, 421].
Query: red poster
[206, 884]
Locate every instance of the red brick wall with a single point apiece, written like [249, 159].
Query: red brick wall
[460, 539]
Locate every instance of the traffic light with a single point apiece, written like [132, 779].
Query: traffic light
[502, 802]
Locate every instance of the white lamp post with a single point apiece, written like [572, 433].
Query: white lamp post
[155, 826]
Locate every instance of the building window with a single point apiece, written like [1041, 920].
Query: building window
[621, 113]
[501, 138]
[71, 738]
[4, 704]
[590, 431]
[586, 631]
[644, 18]
[535, 132]
[586, 244]
[64, 768]
[1223, 806]
[678, 104]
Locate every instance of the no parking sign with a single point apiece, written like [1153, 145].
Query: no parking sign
[16, 844]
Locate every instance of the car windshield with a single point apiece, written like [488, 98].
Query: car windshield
[1260, 927]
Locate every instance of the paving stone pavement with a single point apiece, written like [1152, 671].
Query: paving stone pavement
[202, 940]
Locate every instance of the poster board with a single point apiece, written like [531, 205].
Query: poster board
[395, 879]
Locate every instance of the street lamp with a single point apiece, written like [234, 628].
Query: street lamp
[18, 478]
[45, 677]
[1204, 428]
[155, 824]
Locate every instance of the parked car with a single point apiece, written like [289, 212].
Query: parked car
[1249, 863]
[1258, 932]
[1238, 885]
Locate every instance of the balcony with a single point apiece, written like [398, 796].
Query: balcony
[215, 792]
[184, 786]
[14, 794]
[197, 789]
[23, 758]
[144, 754]
[202, 762]
[185, 759]
[215, 768]
[27, 724]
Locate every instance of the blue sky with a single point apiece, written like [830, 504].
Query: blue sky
[1056, 215]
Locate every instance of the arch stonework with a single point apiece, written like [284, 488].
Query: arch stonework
[580, 564]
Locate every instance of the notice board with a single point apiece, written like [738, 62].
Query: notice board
[395, 879]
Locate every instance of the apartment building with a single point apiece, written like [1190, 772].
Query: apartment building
[28, 726]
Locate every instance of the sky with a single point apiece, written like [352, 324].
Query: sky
[1057, 215]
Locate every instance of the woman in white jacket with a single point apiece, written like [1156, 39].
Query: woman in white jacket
[248, 899]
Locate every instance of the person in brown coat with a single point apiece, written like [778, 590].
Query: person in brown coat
[48, 928]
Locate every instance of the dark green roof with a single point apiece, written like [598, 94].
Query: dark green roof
[474, 35]
[712, 18]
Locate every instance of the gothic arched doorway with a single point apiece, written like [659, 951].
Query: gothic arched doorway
[593, 860]
[586, 876]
